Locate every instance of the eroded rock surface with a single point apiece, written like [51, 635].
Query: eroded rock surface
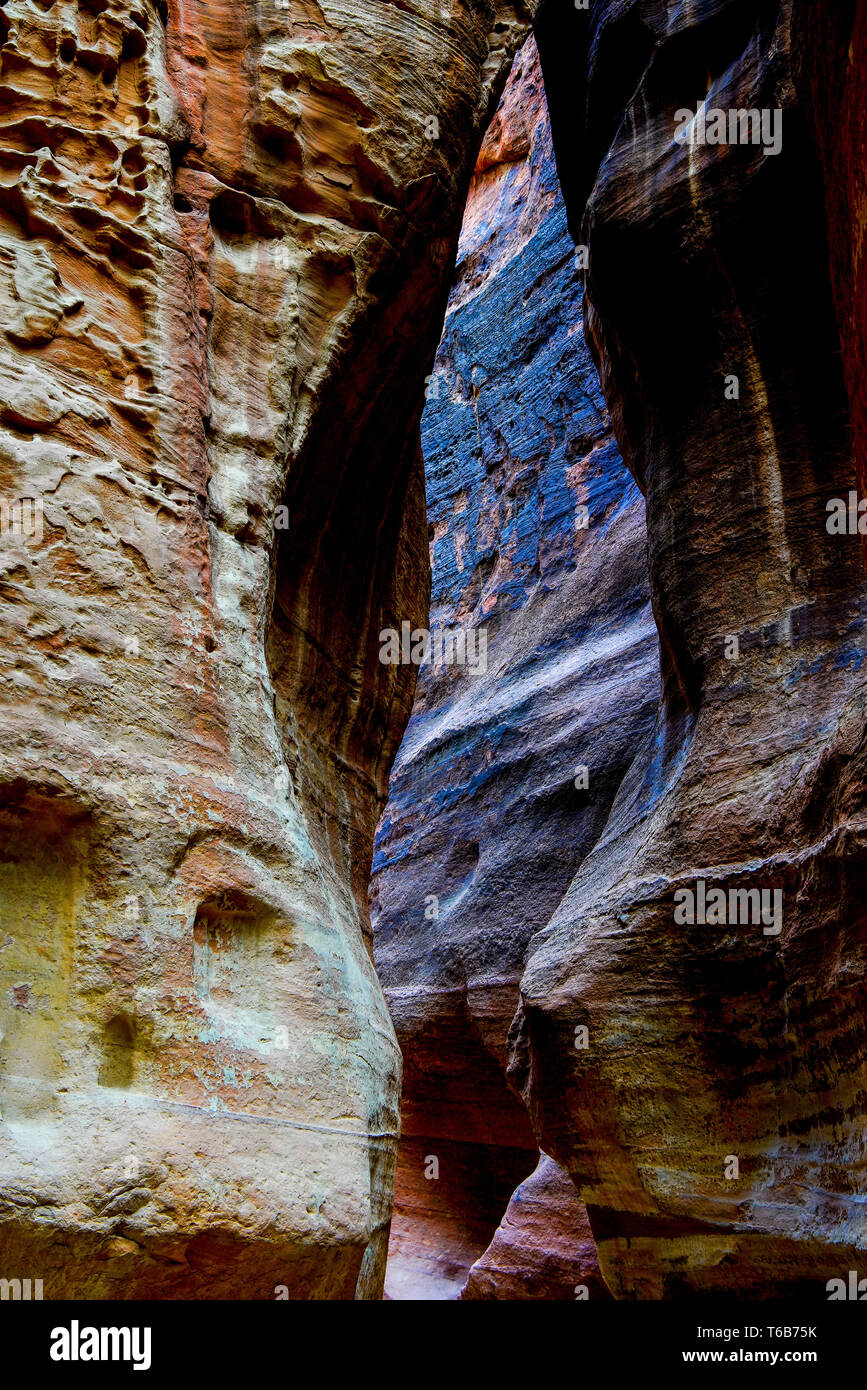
[226, 231]
[718, 1042]
[487, 821]
[543, 1247]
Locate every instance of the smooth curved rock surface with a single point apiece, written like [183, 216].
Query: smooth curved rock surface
[226, 234]
[717, 1042]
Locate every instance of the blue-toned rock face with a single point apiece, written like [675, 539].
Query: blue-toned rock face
[512, 759]
[715, 1122]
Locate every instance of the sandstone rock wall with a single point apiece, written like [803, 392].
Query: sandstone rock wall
[829, 45]
[226, 232]
[486, 822]
[720, 1042]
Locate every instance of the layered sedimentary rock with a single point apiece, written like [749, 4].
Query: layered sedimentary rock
[537, 542]
[715, 1124]
[543, 1247]
[226, 231]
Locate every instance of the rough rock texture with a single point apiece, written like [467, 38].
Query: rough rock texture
[226, 233]
[484, 812]
[543, 1247]
[714, 1042]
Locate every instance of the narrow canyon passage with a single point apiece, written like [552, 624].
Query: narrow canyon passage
[509, 766]
[563, 945]
[548, 814]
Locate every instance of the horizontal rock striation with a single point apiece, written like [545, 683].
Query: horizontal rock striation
[537, 542]
[714, 1125]
[226, 234]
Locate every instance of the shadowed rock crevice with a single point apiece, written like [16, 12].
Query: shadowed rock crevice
[506, 774]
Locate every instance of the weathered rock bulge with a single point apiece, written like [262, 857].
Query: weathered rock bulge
[225, 240]
[717, 1042]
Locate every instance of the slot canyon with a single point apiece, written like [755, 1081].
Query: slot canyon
[431, 554]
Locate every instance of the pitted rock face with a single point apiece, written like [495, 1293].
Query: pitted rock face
[225, 233]
[715, 1123]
